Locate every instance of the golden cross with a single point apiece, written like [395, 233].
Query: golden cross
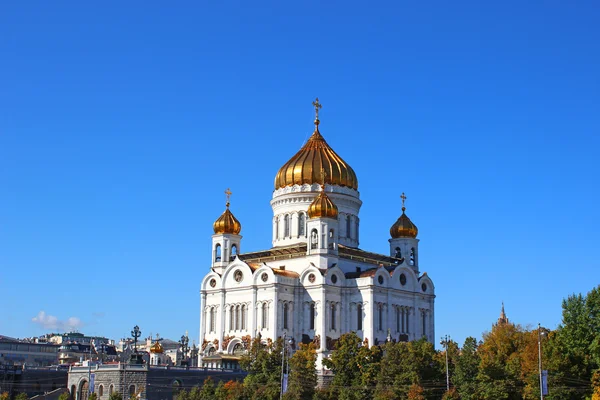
[157, 337]
[317, 106]
[403, 197]
[323, 175]
[228, 194]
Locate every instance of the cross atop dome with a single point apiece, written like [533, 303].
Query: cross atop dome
[403, 197]
[317, 106]
[228, 195]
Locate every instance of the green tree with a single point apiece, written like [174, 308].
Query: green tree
[263, 364]
[466, 367]
[208, 390]
[220, 391]
[63, 396]
[303, 374]
[415, 392]
[21, 396]
[93, 396]
[115, 396]
[345, 363]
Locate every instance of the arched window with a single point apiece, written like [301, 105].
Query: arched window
[286, 226]
[380, 312]
[276, 228]
[264, 316]
[357, 230]
[398, 253]
[131, 390]
[312, 316]
[424, 314]
[237, 317]
[243, 317]
[330, 245]
[333, 308]
[285, 316]
[218, 253]
[301, 225]
[213, 317]
[348, 235]
[359, 317]
[314, 239]
[233, 252]
[111, 389]
[231, 315]
[101, 390]
[412, 256]
[398, 317]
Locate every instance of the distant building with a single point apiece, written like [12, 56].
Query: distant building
[17, 352]
[145, 381]
[503, 319]
[31, 380]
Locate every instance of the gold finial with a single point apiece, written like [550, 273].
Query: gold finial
[157, 337]
[323, 175]
[317, 106]
[228, 194]
[403, 197]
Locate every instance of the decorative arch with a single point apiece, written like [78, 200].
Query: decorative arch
[232, 344]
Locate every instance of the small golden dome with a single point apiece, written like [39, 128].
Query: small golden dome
[314, 156]
[227, 223]
[156, 348]
[404, 228]
[322, 207]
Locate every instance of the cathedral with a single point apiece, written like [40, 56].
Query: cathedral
[315, 283]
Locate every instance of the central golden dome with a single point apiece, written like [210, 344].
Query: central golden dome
[156, 348]
[313, 157]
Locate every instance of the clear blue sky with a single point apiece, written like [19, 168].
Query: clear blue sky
[122, 123]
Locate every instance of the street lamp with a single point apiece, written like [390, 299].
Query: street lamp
[135, 334]
[184, 348]
[291, 342]
[540, 334]
[444, 342]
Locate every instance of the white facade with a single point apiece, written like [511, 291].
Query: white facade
[314, 284]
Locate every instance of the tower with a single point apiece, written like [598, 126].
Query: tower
[299, 181]
[226, 240]
[404, 243]
[322, 226]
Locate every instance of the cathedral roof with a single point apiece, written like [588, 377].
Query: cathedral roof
[315, 156]
[299, 250]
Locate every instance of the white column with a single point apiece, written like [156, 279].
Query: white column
[221, 321]
[252, 314]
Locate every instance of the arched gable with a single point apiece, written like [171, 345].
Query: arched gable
[385, 278]
[335, 276]
[205, 284]
[232, 278]
[429, 287]
[412, 279]
[318, 277]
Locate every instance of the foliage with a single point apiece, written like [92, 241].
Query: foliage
[451, 394]
[63, 396]
[93, 396]
[415, 392]
[115, 396]
[346, 364]
[208, 390]
[263, 363]
[4, 396]
[466, 367]
[21, 396]
[303, 375]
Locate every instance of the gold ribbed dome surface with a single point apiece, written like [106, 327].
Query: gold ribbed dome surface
[404, 227]
[314, 156]
[322, 207]
[227, 223]
[156, 348]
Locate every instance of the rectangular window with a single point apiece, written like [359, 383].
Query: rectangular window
[359, 317]
[333, 317]
[312, 316]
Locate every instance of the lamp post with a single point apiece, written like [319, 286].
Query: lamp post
[444, 342]
[135, 334]
[184, 348]
[540, 334]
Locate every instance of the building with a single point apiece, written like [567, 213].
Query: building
[27, 353]
[142, 380]
[315, 282]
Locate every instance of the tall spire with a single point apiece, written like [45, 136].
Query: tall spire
[502, 320]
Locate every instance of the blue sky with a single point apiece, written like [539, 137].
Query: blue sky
[122, 123]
